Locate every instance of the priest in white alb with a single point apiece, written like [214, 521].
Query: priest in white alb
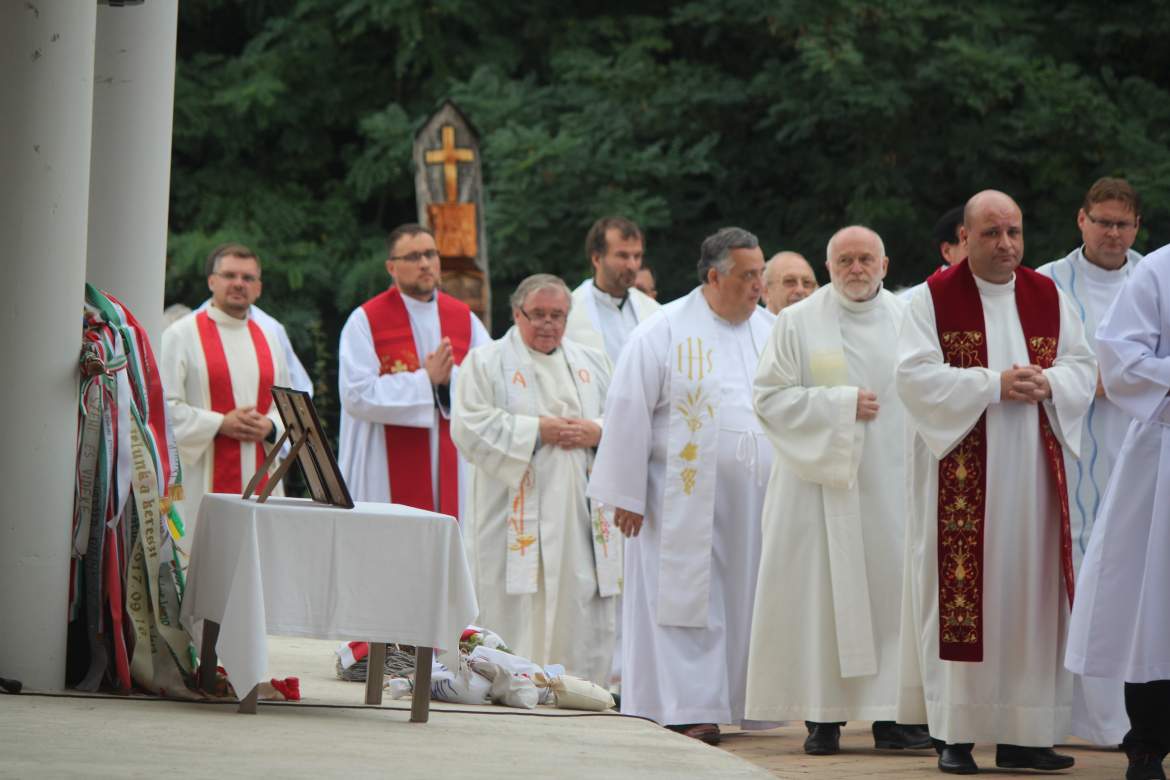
[996, 378]
[399, 355]
[683, 464]
[607, 307]
[1091, 276]
[1119, 627]
[218, 367]
[527, 417]
[834, 514]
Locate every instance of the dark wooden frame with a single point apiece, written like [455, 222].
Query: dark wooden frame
[309, 448]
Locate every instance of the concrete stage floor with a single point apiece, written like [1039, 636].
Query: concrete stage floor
[330, 733]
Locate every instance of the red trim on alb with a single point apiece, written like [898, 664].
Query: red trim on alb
[226, 475]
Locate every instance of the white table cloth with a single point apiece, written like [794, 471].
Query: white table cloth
[374, 573]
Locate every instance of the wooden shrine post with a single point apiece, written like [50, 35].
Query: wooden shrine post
[448, 184]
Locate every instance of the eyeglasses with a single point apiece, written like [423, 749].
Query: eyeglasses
[557, 318]
[414, 257]
[1108, 224]
[232, 276]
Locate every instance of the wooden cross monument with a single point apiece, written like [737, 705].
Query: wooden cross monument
[448, 184]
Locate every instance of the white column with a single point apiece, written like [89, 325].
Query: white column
[46, 104]
[130, 172]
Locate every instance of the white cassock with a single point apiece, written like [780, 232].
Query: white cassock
[540, 572]
[1019, 694]
[370, 401]
[690, 576]
[184, 376]
[1119, 628]
[834, 515]
[603, 322]
[298, 377]
[1098, 705]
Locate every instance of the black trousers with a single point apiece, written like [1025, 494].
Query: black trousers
[1148, 707]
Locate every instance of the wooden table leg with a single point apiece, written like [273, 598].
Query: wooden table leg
[375, 667]
[207, 660]
[420, 702]
[248, 703]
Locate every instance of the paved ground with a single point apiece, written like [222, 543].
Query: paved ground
[779, 751]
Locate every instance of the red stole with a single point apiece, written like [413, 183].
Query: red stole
[408, 450]
[962, 474]
[226, 476]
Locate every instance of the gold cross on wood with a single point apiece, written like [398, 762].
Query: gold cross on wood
[448, 156]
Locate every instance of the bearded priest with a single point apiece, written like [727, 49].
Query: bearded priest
[834, 514]
[996, 377]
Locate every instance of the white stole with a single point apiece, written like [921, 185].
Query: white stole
[841, 499]
[692, 457]
[522, 396]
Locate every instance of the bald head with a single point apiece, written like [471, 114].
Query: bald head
[788, 278]
[993, 227]
[857, 262]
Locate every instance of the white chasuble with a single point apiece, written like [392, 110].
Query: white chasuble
[834, 515]
[1017, 694]
[1098, 707]
[185, 383]
[695, 671]
[1119, 628]
[545, 566]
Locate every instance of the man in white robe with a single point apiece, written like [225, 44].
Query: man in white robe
[298, 377]
[834, 513]
[1119, 628]
[788, 278]
[946, 241]
[218, 367]
[1091, 276]
[527, 418]
[608, 307]
[684, 463]
[996, 378]
[398, 357]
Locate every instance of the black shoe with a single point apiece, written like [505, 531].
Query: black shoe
[824, 739]
[956, 760]
[1018, 757]
[888, 735]
[1145, 766]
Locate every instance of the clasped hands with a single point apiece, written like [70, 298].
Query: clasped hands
[1024, 383]
[569, 432]
[245, 424]
[439, 363]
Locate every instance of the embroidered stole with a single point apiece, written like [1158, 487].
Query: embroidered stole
[962, 474]
[408, 449]
[520, 395]
[226, 464]
[692, 458]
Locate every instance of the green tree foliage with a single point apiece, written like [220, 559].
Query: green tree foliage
[294, 121]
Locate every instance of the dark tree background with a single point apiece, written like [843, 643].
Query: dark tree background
[294, 121]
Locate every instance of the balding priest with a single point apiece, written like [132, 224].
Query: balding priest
[996, 377]
[835, 512]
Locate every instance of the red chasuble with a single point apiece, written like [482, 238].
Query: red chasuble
[408, 450]
[962, 474]
[226, 476]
